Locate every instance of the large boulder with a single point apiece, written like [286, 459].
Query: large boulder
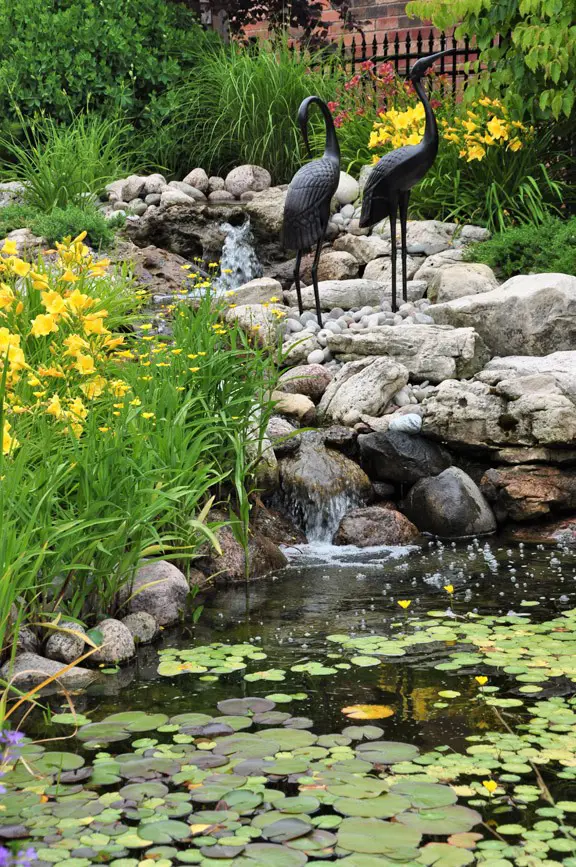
[526, 492]
[434, 263]
[198, 179]
[142, 627]
[132, 188]
[248, 178]
[160, 589]
[425, 237]
[364, 248]
[309, 379]
[264, 557]
[375, 525]
[30, 669]
[399, 457]
[364, 386]
[158, 271]
[533, 314]
[529, 403]
[258, 321]
[428, 351]
[261, 290]
[341, 293]
[266, 211]
[456, 281]
[450, 506]
[381, 269]
[185, 188]
[333, 265]
[321, 485]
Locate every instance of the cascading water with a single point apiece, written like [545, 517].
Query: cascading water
[239, 263]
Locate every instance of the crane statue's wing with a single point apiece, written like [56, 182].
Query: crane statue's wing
[307, 206]
[383, 184]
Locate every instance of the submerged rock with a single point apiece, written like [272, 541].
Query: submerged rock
[526, 492]
[450, 506]
[362, 387]
[30, 669]
[375, 525]
[320, 485]
[400, 457]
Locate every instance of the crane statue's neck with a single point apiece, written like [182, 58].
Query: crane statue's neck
[332, 148]
[430, 139]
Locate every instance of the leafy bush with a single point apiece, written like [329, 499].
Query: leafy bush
[240, 106]
[527, 249]
[15, 217]
[72, 220]
[56, 56]
[60, 164]
[113, 446]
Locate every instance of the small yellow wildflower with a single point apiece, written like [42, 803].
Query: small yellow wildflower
[490, 785]
[43, 324]
[146, 327]
[9, 441]
[10, 247]
[147, 415]
[481, 679]
[193, 369]
[69, 277]
[404, 603]
[449, 589]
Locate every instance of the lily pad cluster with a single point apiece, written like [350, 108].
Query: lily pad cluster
[245, 788]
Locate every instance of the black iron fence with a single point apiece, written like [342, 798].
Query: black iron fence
[402, 50]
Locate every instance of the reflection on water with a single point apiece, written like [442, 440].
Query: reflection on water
[328, 590]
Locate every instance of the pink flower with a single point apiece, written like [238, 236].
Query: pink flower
[333, 106]
[367, 66]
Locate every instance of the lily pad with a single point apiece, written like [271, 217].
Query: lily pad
[374, 836]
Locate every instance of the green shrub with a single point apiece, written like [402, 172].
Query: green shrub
[61, 222]
[527, 249]
[15, 217]
[240, 106]
[58, 55]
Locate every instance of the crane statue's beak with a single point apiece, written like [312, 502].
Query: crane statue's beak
[422, 65]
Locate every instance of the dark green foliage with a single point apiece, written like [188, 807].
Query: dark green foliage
[525, 249]
[58, 55]
[72, 220]
[15, 217]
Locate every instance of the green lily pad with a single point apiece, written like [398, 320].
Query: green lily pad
[441, 820]
[423, 796]
[381, 807]
[374, 836]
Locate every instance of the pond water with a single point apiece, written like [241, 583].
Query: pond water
[335, 613]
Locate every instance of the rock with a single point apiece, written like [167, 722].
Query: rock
[266, 211]
[142, 627]
[433, 264]
[348, 189]
[277, 526]
[364, 386]
[157, 271]
[334, 265]
[114, 190]
[28, 245]
[429, 352]
[449, 505]
[198, 179]
[383, 490]
[11, 193]
[295, 405]
[117, 645]
[400, 457]
[138, 207]
[341, 438]
[154, 185]
[191, 192]
[322, 484]
[532, 314]
[27, 640]
[375, 525]
[121, 206]
[257, 321]
[259, 291]
[160, 589]
[556, 532]
[309, 379]
[465, 278]
[527, 492]
[283, 436]
[247, 178]
[215, 183]
[364, 174]
[473, 234]
[316, 357]
[65, 646]
[221, 196]
[363, 248]
[340, 293]
[264, 557]
[30, 669]
[297, 347]
[381, 269]
[425, 236]
[174, 196]
[407, 424]
[132, 188]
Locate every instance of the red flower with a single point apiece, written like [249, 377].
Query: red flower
[367, 66]
[354, 81]
[333, 106]
[435, 103]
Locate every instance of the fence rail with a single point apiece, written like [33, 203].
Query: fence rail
[401, 50]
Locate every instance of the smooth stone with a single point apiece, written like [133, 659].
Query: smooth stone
[348, 189]
[363, 386]
[198, 179]
[153, 199]
[64, 646]
[117, 644]
[407, 424]
[154, 185]
[456, 281]
[316, 357]
[450, 506]
[309, 379]
[142, 627]
[30, 669]
[191, 192]
[392, 456]
[295, 406]
[160, 589]
[247, 178]
[375, 525]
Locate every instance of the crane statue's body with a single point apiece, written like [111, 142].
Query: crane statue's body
[387, 190]
[307, 208]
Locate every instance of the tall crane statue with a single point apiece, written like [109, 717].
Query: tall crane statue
[307, 207]
[392, 178]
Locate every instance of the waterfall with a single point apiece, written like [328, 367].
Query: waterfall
[320, 516]
[238, 257]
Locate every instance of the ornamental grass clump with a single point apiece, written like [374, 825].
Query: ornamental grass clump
[114, 444]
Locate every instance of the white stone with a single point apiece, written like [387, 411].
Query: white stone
[340, 293]
[258, 291]
[458, 280]
[364, 386]
[258, 321]
[191, 192]
[363, 248]
[425, 236]
[220, 196]
[174, 197]
[348, 189]
[411, 423]
[154, 184]
[199, 179]
[381, 269]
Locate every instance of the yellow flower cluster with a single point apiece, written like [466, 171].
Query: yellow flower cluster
[485, 124]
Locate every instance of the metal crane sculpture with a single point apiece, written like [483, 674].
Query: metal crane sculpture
[307, 207]
[392, 178]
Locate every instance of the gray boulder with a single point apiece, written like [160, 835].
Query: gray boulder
[266, 211]
[464, 278]
[258, 321]
[154, 185]
[533, 314]
[381, 269]
[309, 379]
[258, 291]
[433, 264]
[335, 265]
[215, 183]
[362, 387]
[30, 669]
[172, 196]
[64, 645]
[198, 179]
[160, 589]
[220, 196]
[400, 457]
[340, 293]
[449, 505]
[283, 436]
[188, 190]
[142, 627]
[117, 642]
[425, 237]
[375, 525]
[247, 178]
[132, 188]
[363, 248]
[429, 352]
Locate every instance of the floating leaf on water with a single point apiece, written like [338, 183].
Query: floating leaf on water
[424, 796]
[382, 807]
[368, 711]
[270, 674]
[375, 836]
[364, 661]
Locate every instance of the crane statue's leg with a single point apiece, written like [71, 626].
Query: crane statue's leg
[297, 280]
[403, 203]
[315, 280]
[393, 209]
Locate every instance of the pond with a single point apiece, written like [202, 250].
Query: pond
[382, 677]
